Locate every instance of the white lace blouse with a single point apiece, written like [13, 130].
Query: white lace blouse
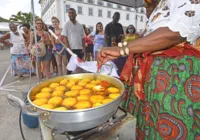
[181, 16]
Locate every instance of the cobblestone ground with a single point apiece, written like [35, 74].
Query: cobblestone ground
[9, 116]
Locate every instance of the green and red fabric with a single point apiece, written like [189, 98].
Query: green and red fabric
[169, 106]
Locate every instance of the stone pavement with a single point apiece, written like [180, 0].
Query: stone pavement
[9, 116]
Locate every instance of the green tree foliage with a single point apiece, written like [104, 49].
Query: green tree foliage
[21, 17]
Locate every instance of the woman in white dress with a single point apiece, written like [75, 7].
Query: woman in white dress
[20, 60]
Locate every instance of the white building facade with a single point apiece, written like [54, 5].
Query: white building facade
[90, 12]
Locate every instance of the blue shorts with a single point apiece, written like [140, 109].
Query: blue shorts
[59, 47]
[46, 57]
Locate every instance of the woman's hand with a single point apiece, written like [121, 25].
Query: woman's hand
[107, 54]
[60, 52]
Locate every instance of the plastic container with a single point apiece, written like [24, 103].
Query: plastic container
[30, 121]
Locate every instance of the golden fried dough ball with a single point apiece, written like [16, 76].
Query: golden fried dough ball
[60, 108]
[69, 102]
[64, 82]
[40, 102]
[86, 80]
[97, 104]
[114, 96]
[73, 93]
[113, 90]
[46, 89]
[55, 101]
[90, 86]
[47, 106]
[96, 98]
[98, 88]
[83, 105]
[77, 87]
[70, 84]
[60, 88]
[57, 93]
[105, 101]
[95, 82]
[54, 85]
[43, 95]
[76, 80]
[85, 92]
[83, 98]
[82, 83]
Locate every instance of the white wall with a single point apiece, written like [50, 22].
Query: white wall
[92, 20]
[58, 8]
[60, 11]
[52, 11]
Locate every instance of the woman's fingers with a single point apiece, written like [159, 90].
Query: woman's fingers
[103, 52]
[108, 58]
[107, 54]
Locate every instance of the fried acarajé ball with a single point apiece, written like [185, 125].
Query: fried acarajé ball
[98, 88]
[60, 88]
[73, 93]
[105, 101]
[82, 83]
[83, 105]
[114, 96]
[40, 102]
[69, 102]
[85, 92]
[54, 85]
[46, 89]
[96, 98]
[55, 101]
[90, 86]
[77, 88]
[42, 95]
[64, 82]
[113, 90]
[57, 93]
[70, 84]
[83, 98]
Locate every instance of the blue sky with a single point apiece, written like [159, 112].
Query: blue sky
[10, 7]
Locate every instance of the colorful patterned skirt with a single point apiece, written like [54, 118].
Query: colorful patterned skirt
[171, 109]
[21, 65]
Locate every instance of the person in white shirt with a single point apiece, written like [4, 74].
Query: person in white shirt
[20, 60]
[74, 35]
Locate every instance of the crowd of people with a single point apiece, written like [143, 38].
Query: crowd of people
[73, 35]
